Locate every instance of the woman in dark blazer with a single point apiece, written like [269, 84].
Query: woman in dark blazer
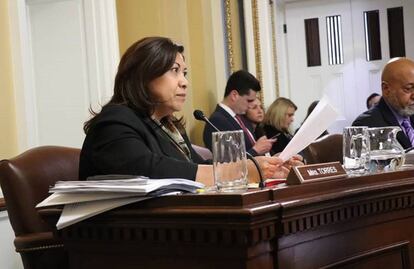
[136, 132]
[277, 120]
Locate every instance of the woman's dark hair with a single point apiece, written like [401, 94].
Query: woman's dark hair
[311, 108]
[370, 97]
[145, 60]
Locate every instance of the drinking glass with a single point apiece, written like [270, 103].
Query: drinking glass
[356, 150]
[229, 161]
[386, 153]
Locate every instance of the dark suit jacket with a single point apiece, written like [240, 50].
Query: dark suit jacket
[225, 122]
[381, 116]
[120, 141]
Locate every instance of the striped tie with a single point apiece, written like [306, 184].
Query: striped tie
[408, 129]
[245, 130]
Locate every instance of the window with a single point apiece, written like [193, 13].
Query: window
[372, 35]
[334, 32]
[313, 51]
[396, 32]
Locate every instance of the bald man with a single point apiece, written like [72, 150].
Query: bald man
[396, 107]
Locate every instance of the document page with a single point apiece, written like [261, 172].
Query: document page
[318, 121]
[58, 198]
[73, 213]
[84, 199]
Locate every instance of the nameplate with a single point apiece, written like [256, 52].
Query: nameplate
[315, 172]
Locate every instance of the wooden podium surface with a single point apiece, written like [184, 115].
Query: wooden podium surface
[361, 222]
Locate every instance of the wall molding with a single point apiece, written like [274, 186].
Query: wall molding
[102, 57]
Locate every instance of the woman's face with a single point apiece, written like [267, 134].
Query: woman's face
[255, 113]
[289, 117]
[170, 90]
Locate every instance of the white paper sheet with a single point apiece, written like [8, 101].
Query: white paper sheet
[72, 198]
[135, 186]
[73, 213]
[318, 121]
[84, 199]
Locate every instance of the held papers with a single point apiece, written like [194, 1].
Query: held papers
[318, 121]
[84, 199]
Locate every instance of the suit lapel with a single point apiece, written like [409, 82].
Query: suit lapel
[163, 142]
[229, 118]
[236, 126]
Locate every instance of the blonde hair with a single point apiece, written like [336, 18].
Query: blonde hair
[276, 113]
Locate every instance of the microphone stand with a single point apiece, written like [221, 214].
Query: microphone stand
[199, 115]
[261, 180]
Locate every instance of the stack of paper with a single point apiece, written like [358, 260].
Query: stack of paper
[84, 199]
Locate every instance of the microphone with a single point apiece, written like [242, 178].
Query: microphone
[199, 115]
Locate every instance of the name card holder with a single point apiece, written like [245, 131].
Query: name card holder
[315, 172]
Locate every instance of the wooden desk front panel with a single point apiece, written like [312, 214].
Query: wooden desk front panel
[341, 226]
[365, 222]
[173, 235]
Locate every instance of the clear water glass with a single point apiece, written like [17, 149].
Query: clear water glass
[386, 153]
[229, 161]
[356, 150]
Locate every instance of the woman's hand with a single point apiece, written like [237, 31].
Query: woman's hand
[272, 167]
[263, 145]
[269, 165]
[296, 160]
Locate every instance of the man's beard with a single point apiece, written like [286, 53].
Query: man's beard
[406, 111]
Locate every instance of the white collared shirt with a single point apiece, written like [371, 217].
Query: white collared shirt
[228, 109]
[231, 112]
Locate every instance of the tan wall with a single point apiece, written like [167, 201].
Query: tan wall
[187, 22]
[8, 128]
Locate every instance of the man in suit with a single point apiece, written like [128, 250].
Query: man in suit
[396, 107]
[239, 95]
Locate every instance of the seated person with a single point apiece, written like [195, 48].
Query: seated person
[373, 100]
[396, 107]
[310, 109]
[136, 132]
[239, 95]
[277, 121]
[255, 115]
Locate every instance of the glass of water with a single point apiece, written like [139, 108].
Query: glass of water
[229, 161]
[356, 149]
[386, 153]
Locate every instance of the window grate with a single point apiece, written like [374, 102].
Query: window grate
[334, 32]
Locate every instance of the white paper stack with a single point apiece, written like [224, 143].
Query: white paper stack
[84, 199]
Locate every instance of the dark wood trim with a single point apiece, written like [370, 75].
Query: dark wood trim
[396, 32]
[313, 51]
[2, 204]
[242, 34]
[374, 36]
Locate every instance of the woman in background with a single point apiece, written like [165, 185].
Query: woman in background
[255, 115]
[310, 109]
[277, 121]
[136, 132]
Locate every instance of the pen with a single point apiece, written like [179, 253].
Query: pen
[408, 149]
[275, 136]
